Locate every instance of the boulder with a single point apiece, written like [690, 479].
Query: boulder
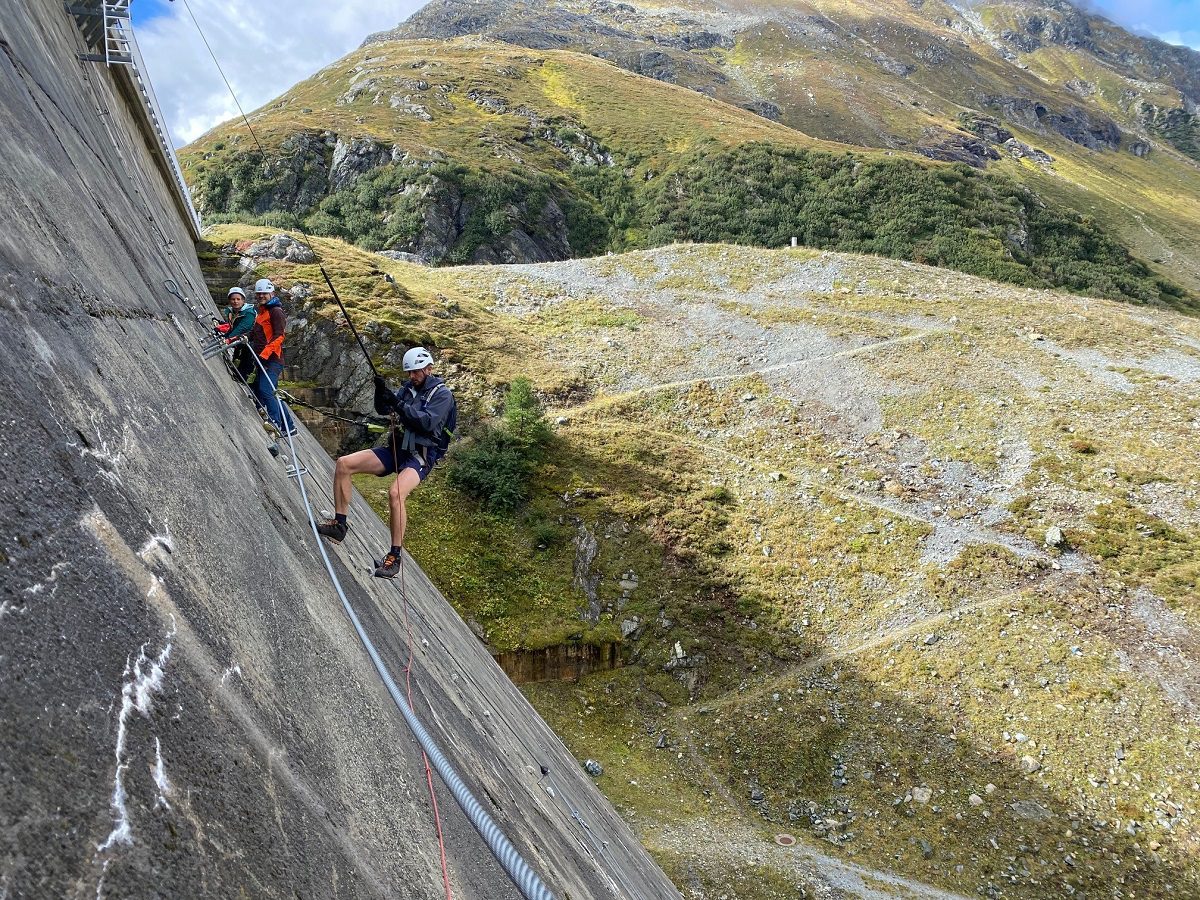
[281, 246]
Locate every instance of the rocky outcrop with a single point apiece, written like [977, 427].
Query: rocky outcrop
[986, 127]
[1076, 124]
[1058, 23]
[280, 246]
[546, 241]
[356, 156]
[539, 233]
[1178, 126]
[765, 108]
[672, 51]
[957, 147]
[666, 65]
[1020, 150]
[296, 177]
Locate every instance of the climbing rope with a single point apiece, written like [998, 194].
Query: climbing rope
[364, 421]
[208, 46]
[437, 818]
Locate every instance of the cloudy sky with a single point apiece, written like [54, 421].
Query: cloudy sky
[266, 46]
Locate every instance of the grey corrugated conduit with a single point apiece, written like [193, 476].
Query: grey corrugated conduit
[522, 874]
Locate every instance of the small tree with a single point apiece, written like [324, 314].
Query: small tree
[496, 469]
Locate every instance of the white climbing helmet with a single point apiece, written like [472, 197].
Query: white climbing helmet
[264, 286]
[238, 291]
[416, 359]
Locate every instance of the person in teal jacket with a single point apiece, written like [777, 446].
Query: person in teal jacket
[237, 320]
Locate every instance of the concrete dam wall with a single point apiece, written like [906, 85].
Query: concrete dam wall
[186, 709]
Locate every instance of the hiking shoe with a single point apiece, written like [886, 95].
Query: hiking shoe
[334, 530]
[389, 567]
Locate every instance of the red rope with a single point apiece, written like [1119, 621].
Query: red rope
[437, 818]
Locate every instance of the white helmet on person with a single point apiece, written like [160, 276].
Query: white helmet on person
[264, 286]
[416, 359]
[238, 291]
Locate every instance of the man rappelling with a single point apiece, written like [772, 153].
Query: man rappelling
[426, 411]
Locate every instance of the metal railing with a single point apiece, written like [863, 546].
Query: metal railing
[108, 30]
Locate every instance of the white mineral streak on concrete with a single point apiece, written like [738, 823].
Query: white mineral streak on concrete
[144, 679]
[156, 544]
[160, 775]
[109, 456]
[100, 883]
[51, 582]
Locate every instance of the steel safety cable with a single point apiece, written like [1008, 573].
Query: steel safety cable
[557, 790]
[597, 848]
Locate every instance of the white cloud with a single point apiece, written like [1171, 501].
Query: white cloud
[264, 47]
[1183, 38]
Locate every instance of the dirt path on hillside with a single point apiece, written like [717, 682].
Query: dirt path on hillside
[740, 846]
[614, 399]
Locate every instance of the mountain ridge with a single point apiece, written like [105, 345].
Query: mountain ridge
[917, 76]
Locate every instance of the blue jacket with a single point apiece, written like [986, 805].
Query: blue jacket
[429, 414]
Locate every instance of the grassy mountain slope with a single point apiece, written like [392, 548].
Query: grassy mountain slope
[914, 76]
[820, 490]
[475, 151]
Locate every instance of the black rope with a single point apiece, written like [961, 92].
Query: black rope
[342, 306]
[365, 421]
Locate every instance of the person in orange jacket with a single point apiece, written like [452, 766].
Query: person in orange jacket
[266, 339]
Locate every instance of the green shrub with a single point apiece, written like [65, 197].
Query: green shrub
[497, 467]
[547, 534]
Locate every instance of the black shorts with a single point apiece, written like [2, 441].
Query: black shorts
[408, 460]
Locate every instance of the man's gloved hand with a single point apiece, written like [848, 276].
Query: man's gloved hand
[222, 327]
[385, 400]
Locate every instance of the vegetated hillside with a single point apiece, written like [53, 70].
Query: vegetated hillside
[903, 562]
[457, 151]
[1103, 120]
[477, 151]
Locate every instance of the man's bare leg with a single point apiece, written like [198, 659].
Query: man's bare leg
[397, 494]
[364, 462]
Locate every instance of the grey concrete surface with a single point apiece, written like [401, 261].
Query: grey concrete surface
[185, 709]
